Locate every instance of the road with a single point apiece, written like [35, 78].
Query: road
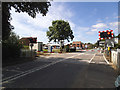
[85, 69]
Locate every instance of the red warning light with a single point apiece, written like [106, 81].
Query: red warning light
[111, 30]
[108, 33]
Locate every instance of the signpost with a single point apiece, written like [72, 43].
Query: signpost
[107, 35]
[32, 40]
[31, 44]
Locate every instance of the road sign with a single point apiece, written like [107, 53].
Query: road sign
[101, 43]
[109, 42]
[107, 34]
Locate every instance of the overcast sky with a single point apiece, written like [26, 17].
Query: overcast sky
[85, 18]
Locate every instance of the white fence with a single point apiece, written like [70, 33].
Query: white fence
[115, 58]
[27, 53]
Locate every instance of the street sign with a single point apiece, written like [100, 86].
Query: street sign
[109, 42]
[101, 43]
[107, 34]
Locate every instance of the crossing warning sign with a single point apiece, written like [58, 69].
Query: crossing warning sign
[107, 34]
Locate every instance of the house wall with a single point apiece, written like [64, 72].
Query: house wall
[76, 44]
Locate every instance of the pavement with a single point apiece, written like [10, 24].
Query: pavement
[84, 69]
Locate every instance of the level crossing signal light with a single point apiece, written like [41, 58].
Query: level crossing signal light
[108, 34]
[32, 40]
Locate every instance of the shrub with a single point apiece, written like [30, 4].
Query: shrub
[11, 47]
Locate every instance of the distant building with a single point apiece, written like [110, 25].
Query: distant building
[37, 46]
[89, 46]
[77, 44]
[55, 46]
[25, 40]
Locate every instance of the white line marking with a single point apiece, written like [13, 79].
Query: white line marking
[92, 62]
[105, 59]
[14, 70]
[102, 62]
[92, 58]
[11, 78]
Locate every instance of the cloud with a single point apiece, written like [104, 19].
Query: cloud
[90, 33]
[107, 18]
[53, 14]
[26, 31]
[99, 21]
[114, 23]
[80, 33]
[117, 17]
[26, 26]
[94, 30]
[99, 25]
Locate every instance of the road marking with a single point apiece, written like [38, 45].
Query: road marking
[92, 58]
[13, 70]
[11, 78]
[92, 62]
[102, 62]
[105, 59]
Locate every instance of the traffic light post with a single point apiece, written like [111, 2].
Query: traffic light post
[31, 44]
[32, 41]
[107, 36]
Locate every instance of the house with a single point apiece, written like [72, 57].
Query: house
[77, 44]
[26, 40]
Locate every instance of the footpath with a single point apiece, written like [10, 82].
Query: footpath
[100, 73]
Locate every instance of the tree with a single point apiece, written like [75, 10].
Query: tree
[32, 8]
[60, 30]
[10, 41]
[11, 47]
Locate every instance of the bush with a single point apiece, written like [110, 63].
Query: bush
[67, 48]
[11, 47]
[25, 47]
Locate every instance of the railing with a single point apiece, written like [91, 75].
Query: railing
[115, 58]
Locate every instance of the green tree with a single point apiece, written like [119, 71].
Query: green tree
[60, 30]
[10, 41]
[32, 8]
[11, 47]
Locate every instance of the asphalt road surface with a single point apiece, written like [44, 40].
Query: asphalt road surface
[84, 69]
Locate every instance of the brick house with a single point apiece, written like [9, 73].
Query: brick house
[25, 40]
[77, 44]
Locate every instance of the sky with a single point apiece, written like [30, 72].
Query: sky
[85, 18]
